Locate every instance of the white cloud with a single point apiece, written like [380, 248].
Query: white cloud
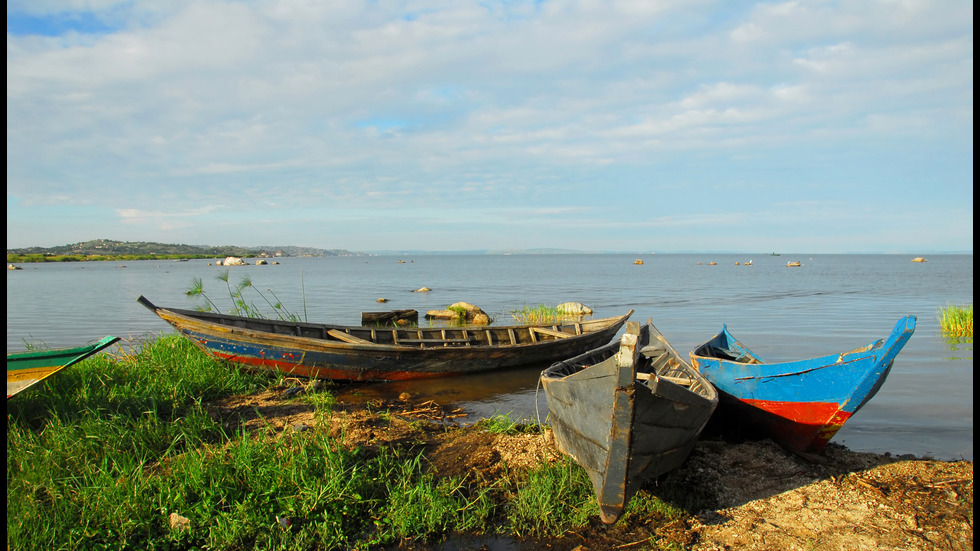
[350, 106]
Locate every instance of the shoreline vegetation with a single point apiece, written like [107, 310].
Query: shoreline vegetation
[155, 445]
[35, 258]
[109, 250]
[956, 321]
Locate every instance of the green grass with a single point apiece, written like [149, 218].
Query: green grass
[540, 314]
[956, 321]
[504, 424]
[104, 454]
[553, 499]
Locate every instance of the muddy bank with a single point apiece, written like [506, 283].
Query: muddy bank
[748, 494]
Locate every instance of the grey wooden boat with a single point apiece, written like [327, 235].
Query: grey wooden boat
[627, 412]
[362, 353]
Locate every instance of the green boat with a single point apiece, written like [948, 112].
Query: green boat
[25, 369]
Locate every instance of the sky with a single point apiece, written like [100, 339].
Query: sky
[810, 126]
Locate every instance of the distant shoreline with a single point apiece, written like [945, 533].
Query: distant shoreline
[14, 258]
[41, 258]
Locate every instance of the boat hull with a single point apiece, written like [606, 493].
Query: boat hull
[800, 404]
[614, 411]
[26, 369]
[355, 353]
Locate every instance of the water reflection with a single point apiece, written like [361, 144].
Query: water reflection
[491, 389]
[961, 346]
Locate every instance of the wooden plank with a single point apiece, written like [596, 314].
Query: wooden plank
[684, 381]
[553, 333]
[389, 318]
[433, 341]
[346, 337]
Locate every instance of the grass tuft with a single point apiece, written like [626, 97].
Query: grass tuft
[541, 314]
[504, 424]
[956, 321]
[553, 499]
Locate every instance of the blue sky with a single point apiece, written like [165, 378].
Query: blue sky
[664, 126]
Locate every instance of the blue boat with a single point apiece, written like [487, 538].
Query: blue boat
[800, 404]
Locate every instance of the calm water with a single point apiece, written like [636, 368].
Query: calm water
[832, 303]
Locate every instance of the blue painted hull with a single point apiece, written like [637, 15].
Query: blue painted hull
[801, 404]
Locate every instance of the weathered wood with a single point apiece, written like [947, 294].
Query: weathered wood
[683, 381]
[433, 341]
[372, 353]
[552, 332]
[609, 414]
[390, 318]
[341, 336]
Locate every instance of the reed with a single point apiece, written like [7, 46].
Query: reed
[956, 321]
[540, 314]
[237, 294]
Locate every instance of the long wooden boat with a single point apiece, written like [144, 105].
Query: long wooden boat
[627, 412]
[365, 353]
[800, 404]
[25, 369]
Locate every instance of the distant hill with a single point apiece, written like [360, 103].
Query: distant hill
[108, 247]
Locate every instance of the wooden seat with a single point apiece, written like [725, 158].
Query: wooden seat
[346, 337]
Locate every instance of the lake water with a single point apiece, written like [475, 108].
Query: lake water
[830, 304]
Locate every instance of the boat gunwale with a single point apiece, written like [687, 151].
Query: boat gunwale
[88, 349]
[566, 368]
[770, 370]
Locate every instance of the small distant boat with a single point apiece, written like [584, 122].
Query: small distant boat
[627, 412]
[794, 264]
[25, 369]
[800, 404]
[373, 353]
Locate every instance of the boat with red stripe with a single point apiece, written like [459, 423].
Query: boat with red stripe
[800, 404]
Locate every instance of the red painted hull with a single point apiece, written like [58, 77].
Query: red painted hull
[800, 426]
